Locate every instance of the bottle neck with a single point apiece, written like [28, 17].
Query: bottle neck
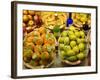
[70, 15]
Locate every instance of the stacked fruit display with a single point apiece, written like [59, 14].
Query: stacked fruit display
[39, 48]
[45, 35]
[51, 19]
[31, 20]
[72, 45]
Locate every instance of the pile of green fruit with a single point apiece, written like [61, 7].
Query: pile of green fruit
[72, 45]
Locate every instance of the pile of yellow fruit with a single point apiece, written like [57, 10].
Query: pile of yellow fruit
[81, 18]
